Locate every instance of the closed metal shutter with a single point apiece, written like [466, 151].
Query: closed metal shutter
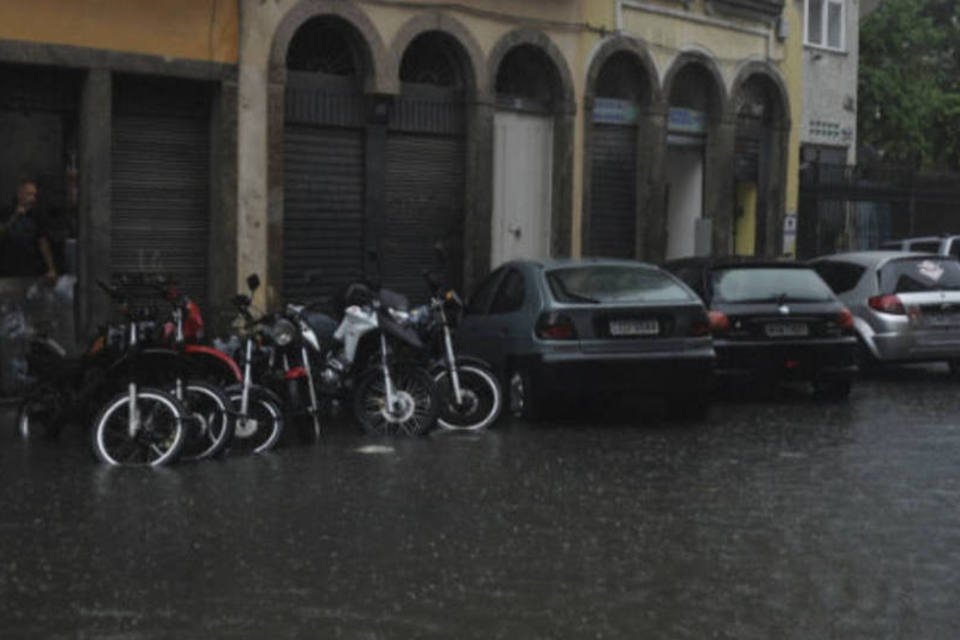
[613, 191]
[424, 193]
[324, 185]
[160, 216]
[323, 216]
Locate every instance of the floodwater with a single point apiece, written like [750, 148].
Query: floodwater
[772, 518]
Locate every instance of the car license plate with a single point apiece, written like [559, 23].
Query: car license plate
[634, 327]
[787, 330]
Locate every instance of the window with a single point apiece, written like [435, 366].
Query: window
[839, 276]
[769, 284]
[480, 300]
[824, 20]
[597, 284]
[920, 274]
[510, 296]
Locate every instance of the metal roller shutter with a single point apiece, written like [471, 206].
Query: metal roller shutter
[424, 193]
[161, 182]
[323, 217]
[613, 191]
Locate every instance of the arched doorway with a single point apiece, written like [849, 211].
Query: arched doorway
[695, 105]
[757, 165]
[529, 94]
[324, 176]
[622, 93]
[425, 165]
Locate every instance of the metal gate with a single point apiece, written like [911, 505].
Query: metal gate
[160, 219]
[424, 190]
[324, 183]
[613, 191]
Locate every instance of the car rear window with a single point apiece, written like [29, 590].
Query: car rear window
[920, 274]
[769, 284]
[926, 246]
[615, 283]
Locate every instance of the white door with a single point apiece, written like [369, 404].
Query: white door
[684, 173]
[522, 187]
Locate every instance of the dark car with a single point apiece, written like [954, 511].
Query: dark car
[565, 329]
[774, 321]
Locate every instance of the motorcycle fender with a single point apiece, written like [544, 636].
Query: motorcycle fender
[222, 359]
[439, 364]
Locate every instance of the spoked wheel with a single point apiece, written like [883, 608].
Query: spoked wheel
[415, 407]
[208, 422]
[154, 438]
[260, 429]
[481, 399]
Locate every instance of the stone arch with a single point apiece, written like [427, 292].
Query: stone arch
[703, 60]
[623, 44]
[379, 63]
[469, 52]
[566, 102]
[753, 69]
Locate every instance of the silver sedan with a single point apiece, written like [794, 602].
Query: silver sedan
[906, 306]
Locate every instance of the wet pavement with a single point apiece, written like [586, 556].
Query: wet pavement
[778, 518]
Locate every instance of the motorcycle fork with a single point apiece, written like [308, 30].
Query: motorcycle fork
[387, 380]
[451, 359]
[247, 375]
[133, 413]
[314, 405]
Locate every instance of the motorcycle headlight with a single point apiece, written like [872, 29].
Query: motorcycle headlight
[283, 332]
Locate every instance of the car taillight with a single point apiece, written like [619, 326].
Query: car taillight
[887, 304]
[553, 326]
[719, 322]
[845, 319]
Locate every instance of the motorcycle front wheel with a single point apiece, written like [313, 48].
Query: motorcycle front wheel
[259, 430]
[415, 407]
[480, 398]
[155, 440]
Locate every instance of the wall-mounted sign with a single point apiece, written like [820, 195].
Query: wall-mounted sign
[614, 111]
[683, 120]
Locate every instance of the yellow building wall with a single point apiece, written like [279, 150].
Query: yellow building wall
[793, 73]
[192, 29]
[745, 231]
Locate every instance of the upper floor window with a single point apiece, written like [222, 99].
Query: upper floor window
[824, 21]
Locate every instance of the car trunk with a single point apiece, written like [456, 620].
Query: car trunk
[611, 329]
[767, 321]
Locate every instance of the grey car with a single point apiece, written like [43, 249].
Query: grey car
[906, 306]
[564, 329]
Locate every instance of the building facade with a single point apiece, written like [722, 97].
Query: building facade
[371, 130]
[316, 142]
[828, 129]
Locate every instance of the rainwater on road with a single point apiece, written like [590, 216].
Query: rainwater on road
[772, 518]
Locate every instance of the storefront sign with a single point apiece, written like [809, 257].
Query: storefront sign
[613, 111]
[690, 121]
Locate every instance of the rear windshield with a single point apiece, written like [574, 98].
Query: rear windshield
[769, 284]
[926, 246]
[614, 283]
[920, 274]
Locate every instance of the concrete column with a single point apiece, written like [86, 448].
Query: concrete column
[719, 200]
[775, 190]
[272, 240]
[478, 215]
[375, 185]
[95, 127]
[563, 147]
[222, 283]
[651, 240]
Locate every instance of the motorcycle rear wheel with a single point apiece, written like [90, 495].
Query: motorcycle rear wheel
[209, 420]
[159, 439]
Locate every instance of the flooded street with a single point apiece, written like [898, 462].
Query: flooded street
[777, 518]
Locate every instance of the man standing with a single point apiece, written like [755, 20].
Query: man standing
[24, 243]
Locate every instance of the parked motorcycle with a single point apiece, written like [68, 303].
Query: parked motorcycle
[357, 359]
[470, 395]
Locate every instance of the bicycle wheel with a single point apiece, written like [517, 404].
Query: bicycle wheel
[155, 439]
[209, 422]
[481, 399]
[260, 429]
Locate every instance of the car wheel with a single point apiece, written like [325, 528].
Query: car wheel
[834, 390]
[523, 400]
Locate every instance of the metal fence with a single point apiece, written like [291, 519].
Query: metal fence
[844, 208]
